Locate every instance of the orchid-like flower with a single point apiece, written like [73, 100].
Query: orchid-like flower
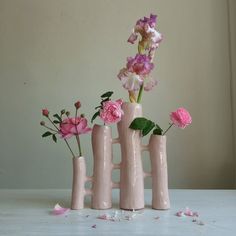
[150, 37]
[130, 80]
[140, 64]
[136, 75]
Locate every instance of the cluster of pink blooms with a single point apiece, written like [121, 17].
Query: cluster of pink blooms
[136, 74]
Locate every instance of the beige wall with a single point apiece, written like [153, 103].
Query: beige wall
[232, 31]
[53, 52]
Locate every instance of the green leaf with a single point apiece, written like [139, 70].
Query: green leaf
[97, 107]
[148, 127]
[138, 123]
[142, 124]
[54, 138]
[107, 94]
[158, 130]
[95, 116]
[56, 122]
[58, 117]
[46, 134]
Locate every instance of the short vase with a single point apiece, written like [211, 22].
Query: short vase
[79, 179]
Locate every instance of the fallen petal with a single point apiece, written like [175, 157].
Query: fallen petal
[188, 212]
[104, 217]
[180, 214]
[58, 210]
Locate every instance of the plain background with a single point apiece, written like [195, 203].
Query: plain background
[54, 52]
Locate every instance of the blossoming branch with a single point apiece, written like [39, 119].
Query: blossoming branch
[135, 77]
[66, 126]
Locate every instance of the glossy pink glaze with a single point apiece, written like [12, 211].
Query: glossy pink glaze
[131, 169]
[160, 194]
[79, 178]
[102, 168]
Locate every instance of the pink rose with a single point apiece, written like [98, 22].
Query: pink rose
[111, 111]
[73, 126]
[181, 118]
[45, 112]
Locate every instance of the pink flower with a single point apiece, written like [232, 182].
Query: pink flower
[140, 64]
[111, 111]
[73, 126]
[132, 38]
[181, 118]
[130, 81]
[146, 28]
[45, 112]
[149, 83]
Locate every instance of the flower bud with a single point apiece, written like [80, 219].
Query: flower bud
[82, 115]
[42, 123]
[67, 113]
[63, 111]
[45, 112]
[77, 105]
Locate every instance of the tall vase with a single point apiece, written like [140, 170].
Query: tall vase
[160, 194]
[131, 169]
[102, 168]
[79, 179]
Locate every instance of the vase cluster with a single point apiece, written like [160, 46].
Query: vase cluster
[132, 175]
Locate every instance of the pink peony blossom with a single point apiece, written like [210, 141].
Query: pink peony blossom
[111, 111]
[45, 112]
[73, 126]
[140, 64]
[181, 118]
[130, 81]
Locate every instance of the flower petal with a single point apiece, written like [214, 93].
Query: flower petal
[58, 210]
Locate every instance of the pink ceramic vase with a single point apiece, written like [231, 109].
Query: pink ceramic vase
[79, 179]
[102, 168]
[131, 169]
[160, 194]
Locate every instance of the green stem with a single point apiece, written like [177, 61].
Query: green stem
[79, 145]
[168, 128]
[64, 139]
[69, 147]
[50, 129]
[77, 135]
[140, 94]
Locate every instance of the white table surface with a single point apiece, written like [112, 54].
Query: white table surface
[28, 213]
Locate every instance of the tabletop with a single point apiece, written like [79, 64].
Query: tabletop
[29, 213]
